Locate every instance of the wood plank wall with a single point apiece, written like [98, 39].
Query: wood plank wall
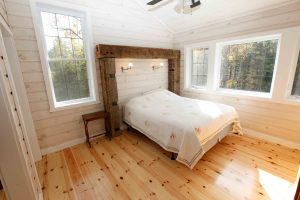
[277, 18]
[3, 13]
[113, 22]
[274, 119]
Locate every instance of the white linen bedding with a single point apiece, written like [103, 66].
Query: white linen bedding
[179, 124]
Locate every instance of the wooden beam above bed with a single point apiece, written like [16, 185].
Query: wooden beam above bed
[104, 51]
[107, 55]
[114, 51]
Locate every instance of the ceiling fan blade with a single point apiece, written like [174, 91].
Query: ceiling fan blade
[195, 3]
[153, 2]
[159, 5]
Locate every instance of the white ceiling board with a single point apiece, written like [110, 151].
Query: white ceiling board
[211, 11]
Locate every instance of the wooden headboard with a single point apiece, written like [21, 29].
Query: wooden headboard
[106, 54]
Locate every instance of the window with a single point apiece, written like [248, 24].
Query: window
[199, 67]
[248, 66]
[67, 57]
[296, 84]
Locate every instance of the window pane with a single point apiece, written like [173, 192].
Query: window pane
[49, 24]
[75, 27]
[248, 66]
[70, 80]
[62, 21]
[78, 48]
[199, 66]
[64, 33]
[65, 47]
[53, 47]
[296, 84]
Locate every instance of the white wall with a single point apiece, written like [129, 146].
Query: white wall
[121, 22]
[3, 10]
[277, 18]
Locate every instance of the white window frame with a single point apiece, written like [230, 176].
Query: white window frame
[188, 63]
[83, 14]
[218, 58]
[292, 74]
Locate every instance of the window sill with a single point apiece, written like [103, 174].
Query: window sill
[293, 100]
[245, 93]
[75, 104]
[231, 93]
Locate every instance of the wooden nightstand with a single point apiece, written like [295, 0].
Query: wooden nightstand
[91, 117]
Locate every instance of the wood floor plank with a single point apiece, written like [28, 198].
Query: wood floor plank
[273, 150]
[56, 184]
[153, 165]
[135, 186]
[204, 187]
[133, 167]
[90, 173]
[113, 182]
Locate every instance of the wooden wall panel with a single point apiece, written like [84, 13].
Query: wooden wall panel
[3, 12]
[108, 28]
[275, 119]
[277, 18]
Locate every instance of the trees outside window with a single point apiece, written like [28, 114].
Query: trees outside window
[248, 66]
[66, 56]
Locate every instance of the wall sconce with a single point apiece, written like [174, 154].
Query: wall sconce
[129, 67]
[158, 67]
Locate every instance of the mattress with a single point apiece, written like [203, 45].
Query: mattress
[181, 125]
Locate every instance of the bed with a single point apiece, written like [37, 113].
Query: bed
[187, 127]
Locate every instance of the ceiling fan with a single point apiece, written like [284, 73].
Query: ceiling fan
[182, 6]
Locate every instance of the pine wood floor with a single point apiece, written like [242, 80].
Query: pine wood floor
[133, 167]
[2, 195]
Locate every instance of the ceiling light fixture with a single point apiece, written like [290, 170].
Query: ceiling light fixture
[182, 6]
[187, 6]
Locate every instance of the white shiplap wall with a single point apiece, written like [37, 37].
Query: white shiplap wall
[277, 18]
[119, 22]
[3, 13]
[278, 120]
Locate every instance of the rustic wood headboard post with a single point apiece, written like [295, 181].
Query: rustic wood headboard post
[107, 55]
[110, 93]
[174, 75]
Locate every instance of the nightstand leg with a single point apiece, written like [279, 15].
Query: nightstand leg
[87, 134]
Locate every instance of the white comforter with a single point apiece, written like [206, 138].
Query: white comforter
[180, 125]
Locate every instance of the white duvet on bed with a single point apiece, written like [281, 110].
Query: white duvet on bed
[178, 124]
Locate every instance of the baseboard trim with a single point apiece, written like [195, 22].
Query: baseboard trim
[269, 138]
[68, 144]
[247, 132]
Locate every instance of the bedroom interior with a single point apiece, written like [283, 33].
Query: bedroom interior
[149, 99]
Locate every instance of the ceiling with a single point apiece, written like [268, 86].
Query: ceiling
[211, 12]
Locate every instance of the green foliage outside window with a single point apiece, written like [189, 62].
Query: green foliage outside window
[248, 66]
[67, 60]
